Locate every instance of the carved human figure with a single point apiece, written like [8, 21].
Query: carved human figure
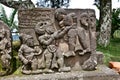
[87, 36]
[60, 13]
[5, 49]
[47, 39]
[83, 35]
[63, 20]
[70, 20]
[27, 54]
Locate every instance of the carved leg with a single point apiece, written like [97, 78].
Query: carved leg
[54, 62]
[60, 62]
[34, 64]
[48, 61]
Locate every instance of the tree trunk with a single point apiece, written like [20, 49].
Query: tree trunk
[17, 4]
[105, 22]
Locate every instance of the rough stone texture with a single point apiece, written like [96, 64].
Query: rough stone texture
[5, 48]
[30, 18]
[102, 73]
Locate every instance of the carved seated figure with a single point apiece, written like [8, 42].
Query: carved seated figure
[27, 54]
[5, 49]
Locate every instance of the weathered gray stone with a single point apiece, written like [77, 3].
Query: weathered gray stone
[102, 73]
[71, 31]
[5, 49]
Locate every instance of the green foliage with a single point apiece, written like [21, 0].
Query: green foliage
[116, 34]
[15, 61]
[111, 52]
[8, 20]
[97, 25]
[53, 3]
[15, 46]
[97, 4]
[115, 20]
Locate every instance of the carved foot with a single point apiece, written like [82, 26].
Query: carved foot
[64, 69]
[47, 71]
[36, 71]
[54, 65]
[26, 71]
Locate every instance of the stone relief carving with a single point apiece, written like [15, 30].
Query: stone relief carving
[5, 48]
[52, 54]
[28, 54]
[89, 38]
[65, 36]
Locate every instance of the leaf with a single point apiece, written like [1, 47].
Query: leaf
[8, 20]
[3, 15]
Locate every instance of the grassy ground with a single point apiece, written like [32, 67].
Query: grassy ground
[112, 52]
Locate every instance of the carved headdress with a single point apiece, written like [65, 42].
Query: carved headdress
[25, 37]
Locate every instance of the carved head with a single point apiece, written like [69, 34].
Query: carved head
[68, 20]
[87, 20]
[84, 20]
[40, 28]
[74, 17]
[27, 39]
[44, 27]
[59, 14]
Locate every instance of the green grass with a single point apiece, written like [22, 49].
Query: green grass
[111, 52]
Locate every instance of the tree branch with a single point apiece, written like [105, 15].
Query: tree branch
[16, 4]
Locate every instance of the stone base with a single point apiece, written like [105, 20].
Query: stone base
[102, 73]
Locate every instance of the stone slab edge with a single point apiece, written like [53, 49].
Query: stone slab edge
[102, 73]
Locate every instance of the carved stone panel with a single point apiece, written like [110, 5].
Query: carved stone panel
[64, 39]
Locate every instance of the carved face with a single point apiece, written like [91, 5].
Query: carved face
[67, 21]
[27, 39]
[60, 17]
[30, 42]
[40, 27]
[87, 20]
[59, 14]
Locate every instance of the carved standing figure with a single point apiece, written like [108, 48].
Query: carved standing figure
[51, 54]
[87, 36]
[83, 37]
[70, 20]
[27, 54]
